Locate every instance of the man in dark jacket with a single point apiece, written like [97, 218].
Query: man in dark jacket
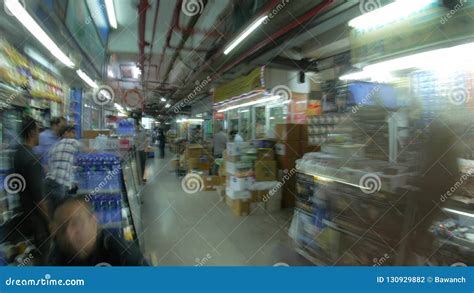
[79, 241]
[28, 174]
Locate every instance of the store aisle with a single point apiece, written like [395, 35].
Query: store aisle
[198, 229]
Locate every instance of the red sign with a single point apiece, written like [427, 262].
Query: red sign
[218, 116]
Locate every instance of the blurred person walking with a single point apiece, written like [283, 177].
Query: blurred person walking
[48, 138]
[79, 240]
[161, 143]
[219, 144]
[142, 142]
[33, 202]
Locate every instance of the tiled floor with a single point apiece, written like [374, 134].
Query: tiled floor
[198, 229]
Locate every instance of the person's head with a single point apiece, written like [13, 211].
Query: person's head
[57, 123]
[30, 131]
[68, 131]
[232, 133]
[74, 227]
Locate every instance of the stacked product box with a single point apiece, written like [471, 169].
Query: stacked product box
[99, 178]
[326, 128]
[196, 158]
[239, 176]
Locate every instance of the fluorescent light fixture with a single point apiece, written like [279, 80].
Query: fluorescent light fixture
[86, 78]
[245, 34]
[195, 120]
[163, 99]
[243, 111]
[459, 212]
[389, 13]
[136, 72]
[109, 6]
[33, 27]
[121, 114]
[271, 118]
[35, 55]
[259, 101]
[118, 107]
[110, 73]
[167, 105]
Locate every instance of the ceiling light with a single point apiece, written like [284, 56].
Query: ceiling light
[110, 73]
[163, 99]
[245, 34]
[33, 27]
[118, 107]
[109, 6]
[389, 13]
[168, 105]
[459, 212]
[259, 101]
[136, 72]
[86, 78]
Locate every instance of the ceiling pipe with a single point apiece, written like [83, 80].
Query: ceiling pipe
[142, 9]
[183, 40]
[155, 19]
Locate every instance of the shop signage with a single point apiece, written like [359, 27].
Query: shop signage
[424, 29]
[244, 84]
[218, 116]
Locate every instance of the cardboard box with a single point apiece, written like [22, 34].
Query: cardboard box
[265, 154]
[193, 151]
[265, 170]
[174, 164]
[284, 162]
[233, 168]
[193, 163]
[236, 193]
[91, 134]
[288, 132]
[237, 149]
[288, 148]
[211, 182]
[240, 183]
[240, 207]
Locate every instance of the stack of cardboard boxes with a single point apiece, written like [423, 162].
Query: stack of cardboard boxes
[292, 144]
[198, 159]
[239, 159]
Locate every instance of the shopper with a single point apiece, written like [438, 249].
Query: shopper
[29, 176]
[60, 177]
[219, 144]
[235, 136]
[141, 143]
[48, 138]
[79, 241]
[161, 143]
